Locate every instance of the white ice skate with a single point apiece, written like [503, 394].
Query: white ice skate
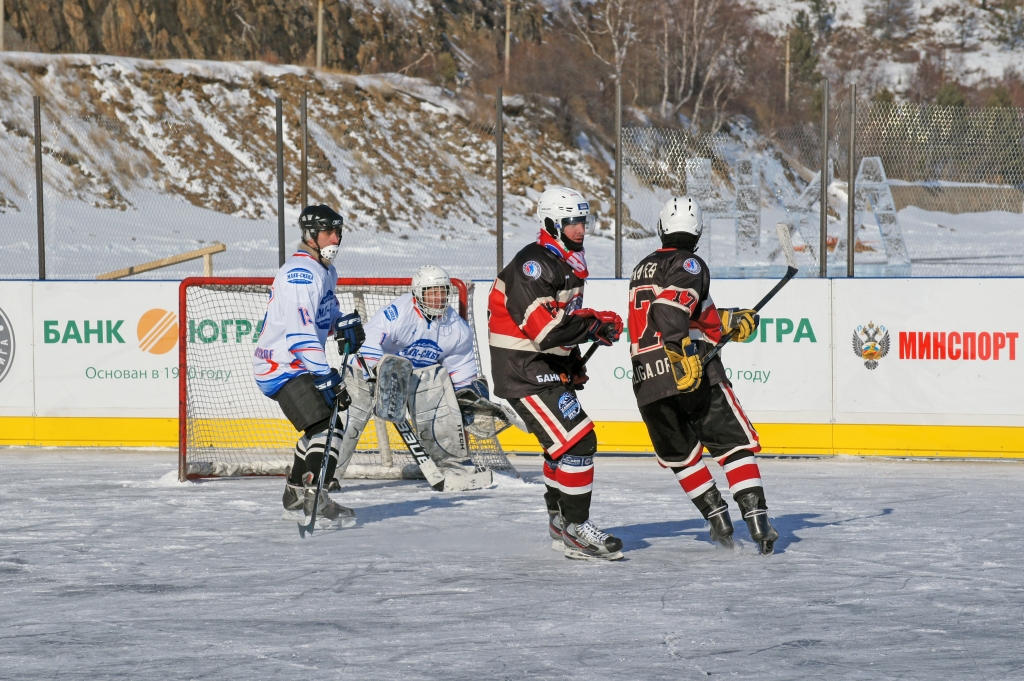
[555, 531]
[583, 541]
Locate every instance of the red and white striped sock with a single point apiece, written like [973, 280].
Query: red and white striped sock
[741, 471]
[695, 479]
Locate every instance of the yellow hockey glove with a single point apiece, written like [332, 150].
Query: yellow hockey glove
[744, 321]
[687, 369]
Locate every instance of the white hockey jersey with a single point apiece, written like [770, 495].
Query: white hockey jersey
[401, 329]
[300, 315]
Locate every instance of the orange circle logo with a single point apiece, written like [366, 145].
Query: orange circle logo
[158, 331]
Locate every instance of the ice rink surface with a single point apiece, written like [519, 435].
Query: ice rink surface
[111, 569]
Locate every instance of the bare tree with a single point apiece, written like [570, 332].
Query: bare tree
[701, 57]
[607, 28]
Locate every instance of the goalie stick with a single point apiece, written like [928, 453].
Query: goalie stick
[303, 529]
[786, 242]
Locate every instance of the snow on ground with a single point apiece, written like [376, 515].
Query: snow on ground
[885, 569]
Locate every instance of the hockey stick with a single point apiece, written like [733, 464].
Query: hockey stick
[323, 463]
[786, 242]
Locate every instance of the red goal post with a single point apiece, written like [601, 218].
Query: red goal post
[226, 426]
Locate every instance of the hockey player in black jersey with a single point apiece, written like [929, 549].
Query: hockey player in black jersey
[536, 319]
[672, 323]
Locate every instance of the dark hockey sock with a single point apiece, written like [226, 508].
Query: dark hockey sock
[575, 507]
[298, 470]
[314, 460]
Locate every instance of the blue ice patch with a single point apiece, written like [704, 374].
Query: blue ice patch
[532, 269]
[391, 312]
[692, 266]
[569, 406]
[299, 276]
[422, 353]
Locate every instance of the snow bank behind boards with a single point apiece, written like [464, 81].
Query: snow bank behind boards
[928, 367]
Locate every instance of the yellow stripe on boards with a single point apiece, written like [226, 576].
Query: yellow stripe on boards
[613, 436]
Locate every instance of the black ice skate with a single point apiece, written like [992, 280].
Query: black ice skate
[292, 500]
[761, 530]
[555, 530]
[718, 518]
[583, 541]
[329, 512]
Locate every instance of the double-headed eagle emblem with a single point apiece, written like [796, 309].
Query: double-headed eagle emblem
[871, 343]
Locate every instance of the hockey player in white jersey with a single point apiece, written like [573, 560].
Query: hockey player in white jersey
[290, 364]
[423, 326]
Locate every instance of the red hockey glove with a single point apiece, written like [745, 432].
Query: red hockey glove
[606, 327]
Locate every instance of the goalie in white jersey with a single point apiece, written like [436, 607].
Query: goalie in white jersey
[423, 326]
[290, 365]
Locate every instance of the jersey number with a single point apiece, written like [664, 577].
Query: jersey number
[640, 330]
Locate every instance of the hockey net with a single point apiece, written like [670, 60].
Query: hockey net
[227, 427]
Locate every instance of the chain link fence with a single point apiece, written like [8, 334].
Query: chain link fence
[945, 182]
[939, 191]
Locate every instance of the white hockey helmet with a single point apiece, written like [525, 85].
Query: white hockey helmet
[562, 206]
[432, 276]
[681, 215]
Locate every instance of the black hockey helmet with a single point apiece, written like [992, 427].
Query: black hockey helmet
[319, 218]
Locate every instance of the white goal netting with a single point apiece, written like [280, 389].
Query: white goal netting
[229, 428]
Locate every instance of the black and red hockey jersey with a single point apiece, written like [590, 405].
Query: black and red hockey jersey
[531, 328]
[669, 299]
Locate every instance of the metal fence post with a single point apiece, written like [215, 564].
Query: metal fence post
[305, 147]
[823, 242]
[320, 34]
[618, 180]
[280, 183]
[40, 231]
[851, 201]
[499, 210]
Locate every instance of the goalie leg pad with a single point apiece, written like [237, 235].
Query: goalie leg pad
[437, 418]
[357, 415]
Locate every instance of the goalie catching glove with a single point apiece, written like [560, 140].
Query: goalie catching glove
[687, 368]
[605, 327]
[743, 322]
[333, 390]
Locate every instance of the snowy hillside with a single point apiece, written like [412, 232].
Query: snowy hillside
[146, 159]
[977, 41]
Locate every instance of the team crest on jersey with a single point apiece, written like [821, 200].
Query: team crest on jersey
[569, 406]
[299, 275]
[532, 269]
[391, 312]
[691, 265]
[323, 313]
[422, 353]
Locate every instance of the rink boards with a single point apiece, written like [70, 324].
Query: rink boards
[927, 367]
